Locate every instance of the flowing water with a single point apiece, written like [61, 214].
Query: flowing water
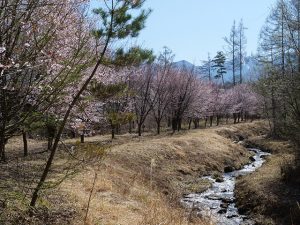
[218, 201]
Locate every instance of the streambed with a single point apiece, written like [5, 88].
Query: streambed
[218, 201]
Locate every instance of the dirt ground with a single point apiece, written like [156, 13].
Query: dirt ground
[130, 180]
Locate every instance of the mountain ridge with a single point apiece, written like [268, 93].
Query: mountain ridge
[250, 67]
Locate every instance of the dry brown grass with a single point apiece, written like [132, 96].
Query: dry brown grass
[263, 193]
[141, 179]
[123, 192]
[127, 202]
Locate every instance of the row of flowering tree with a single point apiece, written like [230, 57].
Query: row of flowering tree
[159, 94]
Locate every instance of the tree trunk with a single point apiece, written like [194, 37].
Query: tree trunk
[2, 149]
[179, 121]
[233, 59]
[234, 118]
[274, 117]
[112, 132]
[3, 118]
[73, 135]
[158, 126]
[50, 142]
[51, 131]
[174, 124]
[223, 83]
[118, 129]
[218, 120]
[25, 144]
[82, 138]
[211, 120]
[140, 129]
[205, 123]
[241, 55]
[169, 122]
[130, 127]
[190, 122]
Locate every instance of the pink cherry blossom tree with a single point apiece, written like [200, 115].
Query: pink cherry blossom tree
[40, 42]
[162, 86]
[116, 23]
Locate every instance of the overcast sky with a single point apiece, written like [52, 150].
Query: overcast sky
[192, 28]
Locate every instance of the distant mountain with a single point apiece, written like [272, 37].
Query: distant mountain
[184, 64]
[250, 69]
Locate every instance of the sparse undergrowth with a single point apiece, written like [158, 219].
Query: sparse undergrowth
[271, 195]
[19, 176]
[139, 180]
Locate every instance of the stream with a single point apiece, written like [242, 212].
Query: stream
[218, 201]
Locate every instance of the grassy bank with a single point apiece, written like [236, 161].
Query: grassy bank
[131, 180]
[265, 195]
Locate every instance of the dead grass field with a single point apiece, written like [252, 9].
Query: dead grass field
[139, 180]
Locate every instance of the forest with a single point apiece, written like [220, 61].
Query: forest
[76, 101]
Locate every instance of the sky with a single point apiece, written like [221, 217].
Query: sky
[192, 28]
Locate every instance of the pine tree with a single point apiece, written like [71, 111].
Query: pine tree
[219, 62]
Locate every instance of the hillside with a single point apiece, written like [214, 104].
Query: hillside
[138, 180]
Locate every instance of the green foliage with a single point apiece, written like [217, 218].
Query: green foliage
[117, 23]
[117, 20]
[134, 56]
[114, 96]
[42, 124]
[34, 122]
[105, 91]
[219, 62]
[281, 97]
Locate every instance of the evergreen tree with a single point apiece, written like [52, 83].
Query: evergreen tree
[219, 62]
